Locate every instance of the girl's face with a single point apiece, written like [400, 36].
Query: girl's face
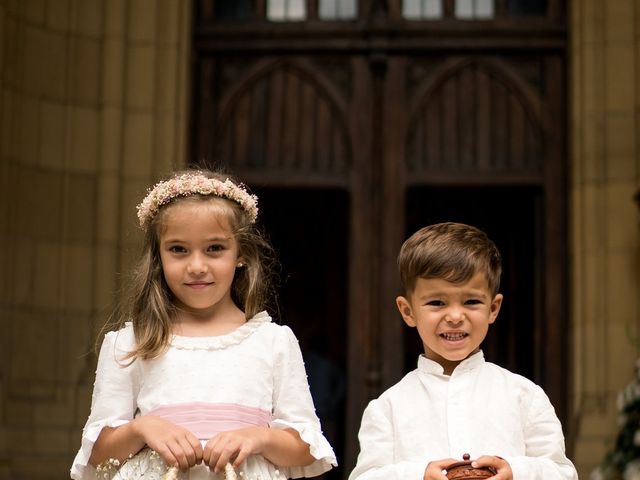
[452, 319]
[199, 254]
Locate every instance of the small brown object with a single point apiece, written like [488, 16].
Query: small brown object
[464, 471]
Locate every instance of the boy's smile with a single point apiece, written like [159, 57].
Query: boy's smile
[452, 319]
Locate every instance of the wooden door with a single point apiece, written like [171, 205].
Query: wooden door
[356, 132]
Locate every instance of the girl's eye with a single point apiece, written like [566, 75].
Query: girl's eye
[177, 249]
[215, 248]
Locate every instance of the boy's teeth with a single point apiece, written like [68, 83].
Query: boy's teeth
[454, 336]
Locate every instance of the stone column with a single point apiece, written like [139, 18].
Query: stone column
[605, 159]
[93, 109]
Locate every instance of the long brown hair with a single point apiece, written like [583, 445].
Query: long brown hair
[148, 301]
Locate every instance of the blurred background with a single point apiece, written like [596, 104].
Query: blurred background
[356, 122]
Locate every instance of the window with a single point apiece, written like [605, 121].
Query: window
[286, 10]
[233, 10]
[474, 9]
[463, 9]
[337, 9]
[422, 9]
[523, 8]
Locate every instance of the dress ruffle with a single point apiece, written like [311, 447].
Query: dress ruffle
[81, 469]
[223, 341]
[319, 447]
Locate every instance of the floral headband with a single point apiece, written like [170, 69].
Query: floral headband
[189, 184]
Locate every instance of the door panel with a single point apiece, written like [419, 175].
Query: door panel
[357, 133]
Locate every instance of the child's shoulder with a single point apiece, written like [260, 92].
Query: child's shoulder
[399, 389]
[505, 383]
[269, 327]
[507, 375]
[122, 338]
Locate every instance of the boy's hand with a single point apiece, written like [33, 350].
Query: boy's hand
[434, 469]
[502, 467]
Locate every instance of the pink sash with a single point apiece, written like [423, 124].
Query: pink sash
[205, 420]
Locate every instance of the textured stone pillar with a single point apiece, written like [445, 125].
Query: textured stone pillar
[92, 102]
[605, 158]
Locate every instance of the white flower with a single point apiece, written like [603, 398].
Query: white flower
[191, 184]
[597, 474]
[171, 474]
[632, 471]
[620, 401]
[229, 472]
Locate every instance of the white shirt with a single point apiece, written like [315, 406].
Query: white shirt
[481, 409]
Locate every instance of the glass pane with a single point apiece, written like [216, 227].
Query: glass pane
[286, 10]
[327, 10]
[233, 9]
[422, 9]
[464, 9]
[484, 9]
[527, 7]
[297, 10]
[276, 9]
[347, 9]
[337, 9]
[411, 9]
[433, 9]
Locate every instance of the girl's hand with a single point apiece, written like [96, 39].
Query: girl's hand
[176, 445]
[502, 467]
[434, 470]
[234, 447]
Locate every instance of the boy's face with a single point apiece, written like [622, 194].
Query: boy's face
[452, 319]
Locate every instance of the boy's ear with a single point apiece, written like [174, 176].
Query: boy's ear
[496, 303]
[405, 310]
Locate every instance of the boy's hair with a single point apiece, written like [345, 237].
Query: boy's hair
[454, 252]
[149, 301]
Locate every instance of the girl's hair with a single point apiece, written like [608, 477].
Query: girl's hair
[450, 251]
[149, 301]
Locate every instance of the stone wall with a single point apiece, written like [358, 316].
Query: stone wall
[93, 108]
[604, 126]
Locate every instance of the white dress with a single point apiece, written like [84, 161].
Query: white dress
[254, 375]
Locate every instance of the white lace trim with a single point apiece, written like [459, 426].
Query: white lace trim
[222, 341]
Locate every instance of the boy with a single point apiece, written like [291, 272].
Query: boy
[455, 402]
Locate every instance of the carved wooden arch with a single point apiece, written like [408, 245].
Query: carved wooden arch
[498, 67]
[506, 135]
[284, 116]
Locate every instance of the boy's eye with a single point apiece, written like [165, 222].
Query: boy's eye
[473, 301]
[435, 303]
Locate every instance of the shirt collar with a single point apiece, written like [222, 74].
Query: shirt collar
[426, 365]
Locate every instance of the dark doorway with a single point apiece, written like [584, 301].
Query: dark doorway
[309, 231]
[511, 218]
[341, 120]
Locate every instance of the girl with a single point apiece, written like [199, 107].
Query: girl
[200, 381]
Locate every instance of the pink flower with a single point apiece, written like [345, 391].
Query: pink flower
[190, 184]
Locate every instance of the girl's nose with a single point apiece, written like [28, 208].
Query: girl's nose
[196, 266]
